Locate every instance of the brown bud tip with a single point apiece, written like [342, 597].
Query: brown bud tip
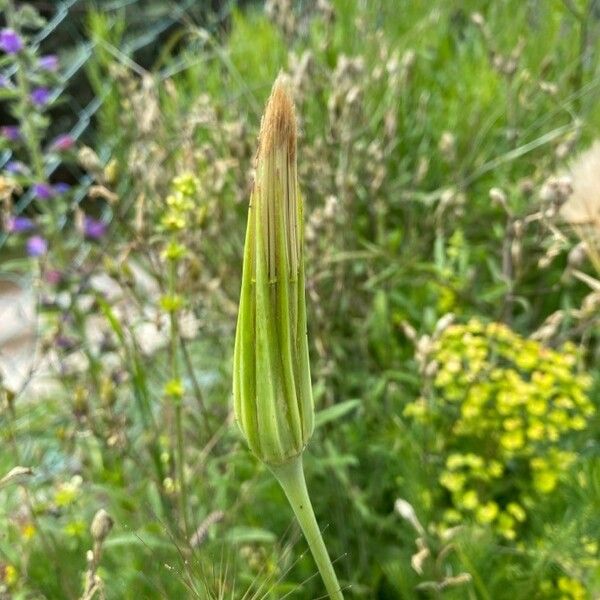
[278, 127]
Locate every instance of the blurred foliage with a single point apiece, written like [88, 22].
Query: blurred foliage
[502, 410]
[410, 114]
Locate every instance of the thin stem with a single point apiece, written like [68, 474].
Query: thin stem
[175, 375]
[181, 468]
[195, 385]
[291, 479]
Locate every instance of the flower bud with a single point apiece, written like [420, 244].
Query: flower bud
[272, 386]
[102, 523]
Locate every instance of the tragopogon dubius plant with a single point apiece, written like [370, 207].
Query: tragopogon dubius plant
[271, 382]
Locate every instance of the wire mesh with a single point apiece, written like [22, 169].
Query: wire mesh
[153, 20]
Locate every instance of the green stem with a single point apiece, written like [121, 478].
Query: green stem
[29, 132]
[175, 374]
[291, 479]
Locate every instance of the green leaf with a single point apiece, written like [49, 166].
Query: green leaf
[111, 318]
[250, 534]
[134, 539]
[335, 412]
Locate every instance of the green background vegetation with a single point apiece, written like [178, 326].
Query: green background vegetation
[409, 113]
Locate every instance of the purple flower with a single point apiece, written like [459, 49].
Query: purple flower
[10, 132]
[63, 142]
[93, 228]
[10, 41]
[49, 63]
[61, 187]
[53, 276]
[43, 191]
[16, 224]
[40, 96]
[36, 246]
[16, 167]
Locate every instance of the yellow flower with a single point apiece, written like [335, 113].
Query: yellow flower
[469, 500]
[487, 513]
[537, 407]
[545, 481]
[11, 575]
[174, 251]
[171, 303]
[517, 511]
[512, 440]
[28, 531]
[455, 461]
[573, 588]
[173, 221]
[512, 424]
[174, 388]
[453, 481]
[495, 469]
[535, 431]
[67, 492]
[506, 526]
[186, 184]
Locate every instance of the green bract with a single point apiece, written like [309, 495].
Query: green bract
[271, 382]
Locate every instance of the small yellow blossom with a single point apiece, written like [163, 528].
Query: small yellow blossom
[67, 492]
[171, 302]
[453, 481]
[11, 575]
[517, 511]
[174, 388]
[469, 500]
[545, 481]
[28, 531]
[487, 512]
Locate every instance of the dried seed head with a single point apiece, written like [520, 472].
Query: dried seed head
[278, 125]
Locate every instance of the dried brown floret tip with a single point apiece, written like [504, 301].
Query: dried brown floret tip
[278, 127]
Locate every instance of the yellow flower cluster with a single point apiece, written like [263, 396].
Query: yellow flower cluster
[508, 403]
[181, 204]
[564, 588]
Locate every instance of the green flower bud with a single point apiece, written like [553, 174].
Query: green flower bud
[271, 382]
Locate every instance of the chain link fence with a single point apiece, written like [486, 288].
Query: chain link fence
[64, 34]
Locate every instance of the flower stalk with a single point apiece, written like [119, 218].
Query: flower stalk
[271, 383]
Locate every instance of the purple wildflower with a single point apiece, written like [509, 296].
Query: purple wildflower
[93, 228]
[16, 224]
[36, 246]
[61, 187]
[53, 276]
[63, 142]
[10, 41]
[10, 132]
[40, 96]
[16, 167]
[43, 191]
[49, 63]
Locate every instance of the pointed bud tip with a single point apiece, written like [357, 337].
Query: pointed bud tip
[278, 127]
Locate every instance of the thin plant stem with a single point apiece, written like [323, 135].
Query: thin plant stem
[195, 385]
[175, 374]
[291, 478]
